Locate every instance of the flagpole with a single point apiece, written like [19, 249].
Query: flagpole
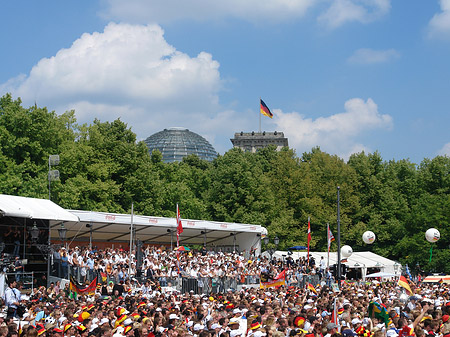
[338, 239]
[309, 237]
[328, 244]
[260, 115]
[131, 236]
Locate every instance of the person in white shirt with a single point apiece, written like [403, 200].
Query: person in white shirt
[12, 298]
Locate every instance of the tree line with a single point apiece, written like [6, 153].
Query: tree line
[104, 168]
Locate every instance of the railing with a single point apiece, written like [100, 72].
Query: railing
[26, 278]
[199, 285]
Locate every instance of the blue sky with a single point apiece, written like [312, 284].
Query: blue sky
[345, 75]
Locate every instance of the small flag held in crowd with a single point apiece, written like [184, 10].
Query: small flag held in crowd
[403, 282]
[311, 288]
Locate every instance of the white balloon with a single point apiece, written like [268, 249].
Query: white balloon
[432, 235]
[346, 251]
[369, 237]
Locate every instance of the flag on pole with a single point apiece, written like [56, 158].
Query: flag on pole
[311, 288]
[264, 109]
[309, 237]
[179, 226]
[403, 282]
[330, 238]
[334, 314]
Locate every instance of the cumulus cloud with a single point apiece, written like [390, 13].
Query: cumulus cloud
[439, 24]
[131, 72]
[344, 11]
[445, 151]
[337, 133]
[124, 62]
[144, 11]
[371, 56]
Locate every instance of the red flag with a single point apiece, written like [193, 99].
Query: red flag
[309, 236]
[330, 238]
[179, 224]
[334, 314]
[281, 275]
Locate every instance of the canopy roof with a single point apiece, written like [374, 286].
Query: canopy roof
[437, 279]
[32, 208]
[356, 260]
[112, 227]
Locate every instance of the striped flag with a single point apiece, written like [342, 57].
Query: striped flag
[330, 237]
[311, 288]
[403, 282]
[264, 109]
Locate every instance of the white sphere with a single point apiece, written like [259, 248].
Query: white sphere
[369, 237]
[346, 251]
[432, 235]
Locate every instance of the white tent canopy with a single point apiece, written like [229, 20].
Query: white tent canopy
[32, 208]
[111, 227]
[363, 260]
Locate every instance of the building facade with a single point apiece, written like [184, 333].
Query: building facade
[253, 141]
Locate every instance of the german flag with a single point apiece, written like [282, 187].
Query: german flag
[311, 288]
[264, 109]
[89, 290]
[403, 282]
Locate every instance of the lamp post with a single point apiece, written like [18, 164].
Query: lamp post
[396, 268]
[53, 160]
[90, 226]
[62, 232]
[34, 232]
[276, 241]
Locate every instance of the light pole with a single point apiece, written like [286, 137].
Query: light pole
[62, 232]
[338, 239]
[90, 226]
[53, 160]
[276, 241]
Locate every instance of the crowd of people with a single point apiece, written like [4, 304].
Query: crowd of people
[160, 264]
[123, 306]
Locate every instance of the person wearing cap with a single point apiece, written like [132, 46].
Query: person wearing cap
[348, 333]
[331, 329]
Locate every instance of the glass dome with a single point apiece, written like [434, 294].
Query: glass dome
[176, 143]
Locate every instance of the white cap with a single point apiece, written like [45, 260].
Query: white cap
[391, 333]
[356, 321]
[216, 326]
[128, 321]
[259, 334]
[173, 316]
[198, 327]
[237, 311]
[103, 321]
[234, 333]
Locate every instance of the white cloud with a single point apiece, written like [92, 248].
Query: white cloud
[144, 11]
[363, 11]
[439, 24]
[124, 62]
[445, 151]
[131, 72]
[370, 56]
[337, 133]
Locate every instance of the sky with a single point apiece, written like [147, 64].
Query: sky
[345, 75]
